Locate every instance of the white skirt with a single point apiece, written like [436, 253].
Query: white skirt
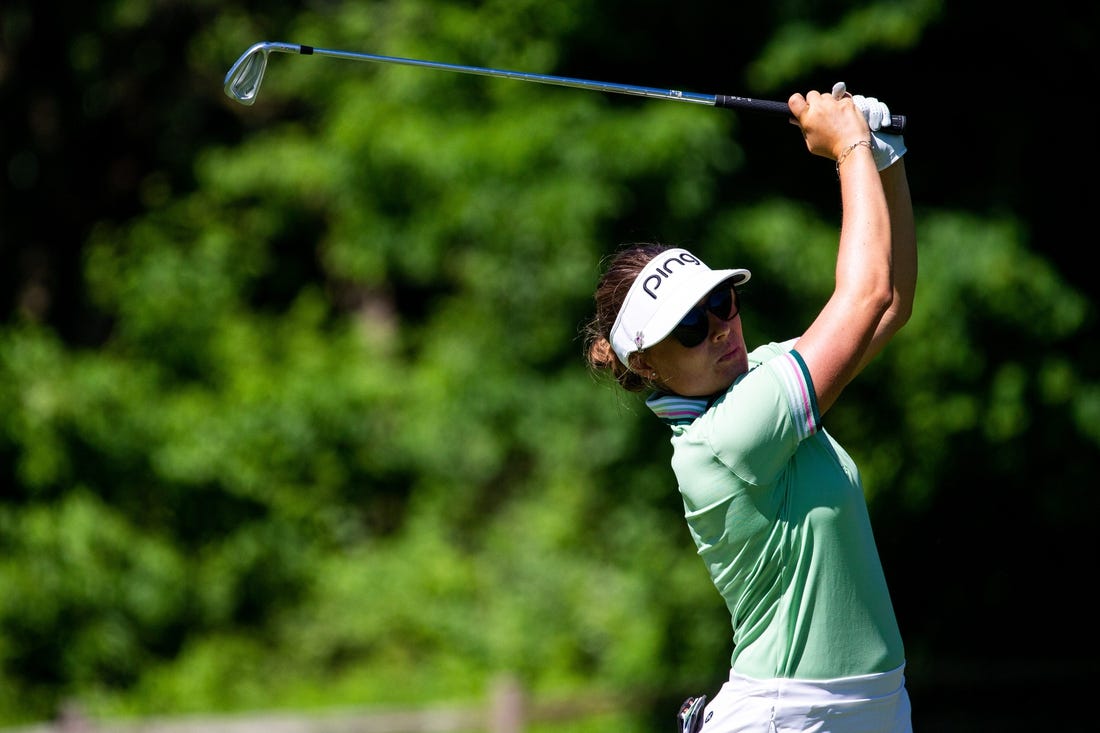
[873, 703]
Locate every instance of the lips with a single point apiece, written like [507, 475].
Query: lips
[728, 355]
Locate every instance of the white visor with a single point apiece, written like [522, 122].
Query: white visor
[664, 291]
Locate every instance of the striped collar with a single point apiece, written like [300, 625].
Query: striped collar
[674, 409]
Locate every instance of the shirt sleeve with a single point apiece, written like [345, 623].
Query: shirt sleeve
[759, 423]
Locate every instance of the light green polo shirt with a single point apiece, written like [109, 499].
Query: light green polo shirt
[777, 511]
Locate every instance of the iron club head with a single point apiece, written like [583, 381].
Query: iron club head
[242, 81]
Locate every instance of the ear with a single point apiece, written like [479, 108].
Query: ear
[639, 364]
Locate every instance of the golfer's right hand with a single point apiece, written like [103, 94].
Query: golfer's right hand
[829, 124]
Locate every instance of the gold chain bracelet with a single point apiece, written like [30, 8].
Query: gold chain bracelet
[844, 154]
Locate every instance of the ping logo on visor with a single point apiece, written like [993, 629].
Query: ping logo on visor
[667, 268]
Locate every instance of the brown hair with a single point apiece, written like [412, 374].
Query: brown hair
[620, 271]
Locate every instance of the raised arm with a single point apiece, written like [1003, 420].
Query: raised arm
[876, 258]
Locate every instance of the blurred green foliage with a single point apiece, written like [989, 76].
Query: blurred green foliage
[333, 441]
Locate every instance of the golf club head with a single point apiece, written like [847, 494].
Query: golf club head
[242, 82]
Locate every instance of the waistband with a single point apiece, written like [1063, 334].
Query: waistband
[841, 689]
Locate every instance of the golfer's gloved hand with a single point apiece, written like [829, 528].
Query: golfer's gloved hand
[887, 147]
[875, 112]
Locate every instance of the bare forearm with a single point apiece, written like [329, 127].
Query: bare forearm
[903, 237]
[903, 248]
[863, 266]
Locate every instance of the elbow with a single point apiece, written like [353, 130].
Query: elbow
[895, 316]
[884, 300]
[901, 302]
[902, 311]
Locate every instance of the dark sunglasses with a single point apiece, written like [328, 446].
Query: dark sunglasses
[694, 326]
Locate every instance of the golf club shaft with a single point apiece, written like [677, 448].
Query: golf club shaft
[244, 77]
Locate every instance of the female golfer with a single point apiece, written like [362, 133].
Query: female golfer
[773, 502]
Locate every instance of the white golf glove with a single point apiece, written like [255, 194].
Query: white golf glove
[876, 113]
[887, 147]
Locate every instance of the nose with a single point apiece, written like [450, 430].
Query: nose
[717, 326]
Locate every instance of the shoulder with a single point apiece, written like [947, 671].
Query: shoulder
[769, 351]
[774, 398]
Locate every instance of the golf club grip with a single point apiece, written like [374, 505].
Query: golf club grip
[897, 122]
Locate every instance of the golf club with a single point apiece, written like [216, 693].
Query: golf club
[242, 82]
